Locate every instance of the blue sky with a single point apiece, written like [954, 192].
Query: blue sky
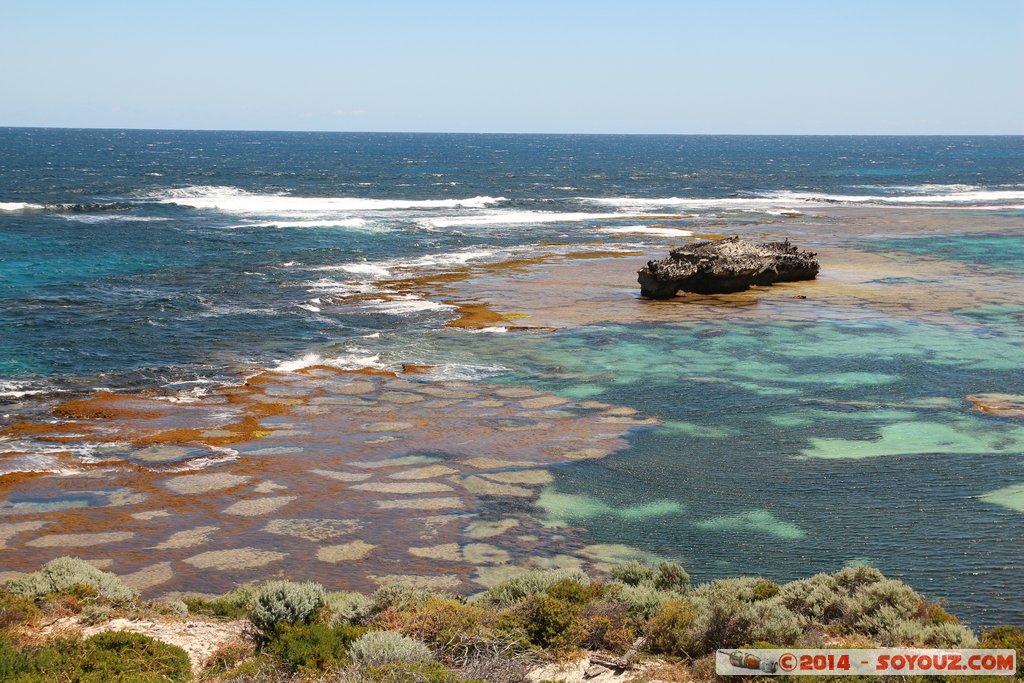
[728, 66]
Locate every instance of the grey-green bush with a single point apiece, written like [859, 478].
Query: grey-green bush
[387, 647]
[671, 576]
[397, 595]
[733, 613]
[633, 573]
[345, 607]
[285, 602]
[63, 573]
[642, 601]
[512, 590]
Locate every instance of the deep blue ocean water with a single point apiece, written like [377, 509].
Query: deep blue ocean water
[138, 259]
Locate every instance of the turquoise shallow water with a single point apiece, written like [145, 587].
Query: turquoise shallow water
[792, 448]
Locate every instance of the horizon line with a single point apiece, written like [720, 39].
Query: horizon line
[429, 132]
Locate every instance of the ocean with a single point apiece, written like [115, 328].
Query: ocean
[449, 327]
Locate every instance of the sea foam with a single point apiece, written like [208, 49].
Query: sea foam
[235, 200]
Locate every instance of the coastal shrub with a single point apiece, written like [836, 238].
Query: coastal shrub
[311, 647]
[856, 577]
[550, 623]
[608, 626]
[671, 576]
[575, 592]
[94, 614]
[109, 656]
[397, 596]
[633, 573]
[819, 599]
[388, 647]
[407, 672]
[730, 614]
[233, 605]
[670, 630]
[512, 590]
[285, 602]
[1006, 638]
[460, 634]
[227, 656]
[15, 610]
[641, 601]
[66, 573]
[347, 607]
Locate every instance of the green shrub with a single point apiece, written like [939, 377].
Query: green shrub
[670, 630]
[68, 573]
[641, 601]
[397, 596]
[819, 599]
[285, 602]
[575, 592]
[551, 623]
[312, 647]
[672, 577]
[408, 672]
[608, 626]
[226, 657]
[345, 607]
[94, 614]
[15, 610]
[375, 648]
[633, 573]
[729, 614]
[233, 605]
[512, 590]
[1006, 638]
[108, 656]
[856, 577]
[765, 589]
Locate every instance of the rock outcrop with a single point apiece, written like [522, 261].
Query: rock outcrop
[722, 266]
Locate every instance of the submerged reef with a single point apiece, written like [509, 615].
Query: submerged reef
[722, 266]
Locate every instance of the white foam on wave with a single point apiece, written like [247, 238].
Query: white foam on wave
[516, 218]
[235, 200]
[647, 230]
[351, 361]
[784, 201]
[384, 269]
[20, 206]
[328, 287]
[78, 218]
[356, 223]
[973, 196]
[21, 389]
[406, 303]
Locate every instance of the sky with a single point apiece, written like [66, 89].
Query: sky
[554, 66]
